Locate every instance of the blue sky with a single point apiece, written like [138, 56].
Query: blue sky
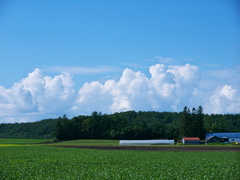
[112, 56]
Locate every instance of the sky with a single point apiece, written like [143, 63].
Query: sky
[76, 57]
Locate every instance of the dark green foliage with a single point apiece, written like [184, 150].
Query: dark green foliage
[34, 130]
[192, 123]
[143, 125]
[222, 123]
[126, 125]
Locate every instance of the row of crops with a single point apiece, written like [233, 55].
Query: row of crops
[38, 161]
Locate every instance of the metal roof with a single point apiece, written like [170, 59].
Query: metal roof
[210, 137]
[229, 135]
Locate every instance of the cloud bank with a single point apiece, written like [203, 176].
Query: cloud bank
[169, 88]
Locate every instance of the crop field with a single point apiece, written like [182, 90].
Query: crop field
[23, 141]
[50, 162]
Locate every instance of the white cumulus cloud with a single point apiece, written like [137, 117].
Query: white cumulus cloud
[225, 99]
[36, 94]
[168, 88]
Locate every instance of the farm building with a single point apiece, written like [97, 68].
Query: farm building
[146, 142]
[191, 140]
[226, 137]
[212, 139]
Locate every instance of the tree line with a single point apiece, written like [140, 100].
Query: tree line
[43, 129]
[133, 125]
[126, 125]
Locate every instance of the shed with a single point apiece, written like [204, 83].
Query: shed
[191, 140]
[146, 142]
[212, 139]
[226, 137]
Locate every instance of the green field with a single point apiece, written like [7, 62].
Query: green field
[23, 141]
[48, 162]
[88, 142]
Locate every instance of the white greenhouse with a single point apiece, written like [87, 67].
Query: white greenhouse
[146, 142]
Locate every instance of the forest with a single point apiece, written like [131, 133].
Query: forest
[126, 125]
[32, 130]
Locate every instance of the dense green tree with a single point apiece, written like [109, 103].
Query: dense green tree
[63, 128]
[126, 125]
[200, 130]
[35, 130]
[186, 123]
[192, 123]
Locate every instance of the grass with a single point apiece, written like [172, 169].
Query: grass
[95, 142]
[47, 162]
[23, 141]
[88, 142]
